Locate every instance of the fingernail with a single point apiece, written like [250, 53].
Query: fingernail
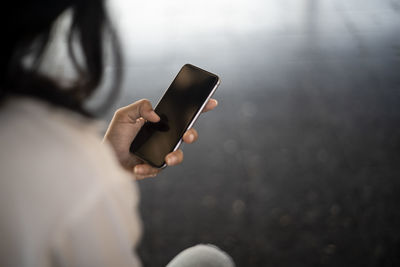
[216, 102]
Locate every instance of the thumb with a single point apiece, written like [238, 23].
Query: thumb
[140, 109]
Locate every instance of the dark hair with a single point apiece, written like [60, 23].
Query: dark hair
[28, 26]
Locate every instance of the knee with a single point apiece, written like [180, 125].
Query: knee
[202, 255]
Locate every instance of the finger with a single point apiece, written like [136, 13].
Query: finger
[141, 177]
[139, 123]
[142, 171]
[211, 104]
[141, 108]
[174, 158]
[190, 136]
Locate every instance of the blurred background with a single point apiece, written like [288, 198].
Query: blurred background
[300, 163]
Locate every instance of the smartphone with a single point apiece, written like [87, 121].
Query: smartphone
[178, 109]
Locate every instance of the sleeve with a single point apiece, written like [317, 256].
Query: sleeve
[102, 231]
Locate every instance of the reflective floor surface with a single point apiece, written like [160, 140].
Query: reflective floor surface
[300, 163]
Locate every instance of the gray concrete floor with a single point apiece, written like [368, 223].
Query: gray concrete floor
[300, 163]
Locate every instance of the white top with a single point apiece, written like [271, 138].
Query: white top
[64, 199]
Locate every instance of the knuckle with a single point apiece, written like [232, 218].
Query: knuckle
[143, 102]
[143, 105]
[119, 112]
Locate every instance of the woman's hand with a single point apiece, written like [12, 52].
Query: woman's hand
[123, 128]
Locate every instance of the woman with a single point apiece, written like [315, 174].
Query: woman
[66, 197]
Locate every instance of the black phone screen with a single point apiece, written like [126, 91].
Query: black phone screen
[177, 109]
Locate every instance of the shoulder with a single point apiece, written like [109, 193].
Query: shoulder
[46, 145]
[56, 173]
[38, 136]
